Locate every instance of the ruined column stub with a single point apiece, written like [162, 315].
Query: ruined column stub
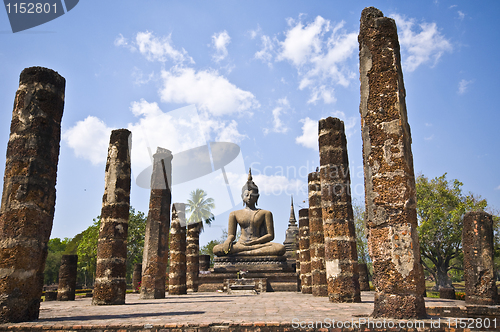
[155, 256]
[110, 284]
[316, 237]
[304, 257]
[479, 273]
[364, 283]
[177, 272]
[390, 194]
[29, 194]
[137, 277]
[341, 256]
[67, 278]
[192, 256]
[204, 261]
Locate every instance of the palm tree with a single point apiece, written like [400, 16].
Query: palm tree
[200, 207]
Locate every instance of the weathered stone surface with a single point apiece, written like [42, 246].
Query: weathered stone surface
[364, 284]
[316, 237]
[67, 278]
[479, 273]
[447, 293]
[204, 261]
[155, 256]
[137, 278]
[192, 256]
[304, 257]
[338, 224]
[177, 273]
[389, 176]
[110, 284]
[29, 194]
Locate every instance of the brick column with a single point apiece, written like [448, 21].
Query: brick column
[304, 257]
[204, 262]
[192, 256]
[389, 177]
[341, 256]
[316, 237]
[177, 273]
[29, 193]
[155, 256]
[364, 283]
[67, 278]
[110, 284]
[479, 271]
[137, 277]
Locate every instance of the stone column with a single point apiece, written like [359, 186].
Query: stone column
[110, 284]
[155, 255]
[67, 278]
[479, 272]
[29, 193]
[316, 237]
[304, 257]
[390, 194]
[364, 282]
[204, 262]
[341, 256]
[177, 273]
[192, 256]
[137, 277]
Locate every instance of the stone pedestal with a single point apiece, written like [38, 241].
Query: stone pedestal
[204, 261]
[447, 293]
[479, 272]
[67, 278]
[110, 284]
[390, 194]
[29, 193]
[250, 263]
[155, 256]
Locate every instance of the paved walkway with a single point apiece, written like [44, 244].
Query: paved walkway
[209, 308]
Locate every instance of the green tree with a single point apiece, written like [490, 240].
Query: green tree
[441, 207]
[135, 240]
[200, 207]
[208, 249]
[361, 235]
[56, 249]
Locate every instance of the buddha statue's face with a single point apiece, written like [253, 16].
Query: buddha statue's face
[250, 197]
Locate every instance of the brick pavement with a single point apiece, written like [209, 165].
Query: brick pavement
[213, 311]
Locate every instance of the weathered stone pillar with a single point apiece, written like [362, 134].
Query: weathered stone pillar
[67, 278]
[316, 237]
[155, 256]
[364, 282]
[389, 177]
[177, 273]
[110, 284]
[204, 262]
[479, 273]
[341, 256]
[192, 256]
[137, 277]
[304, 257]
[29, 193]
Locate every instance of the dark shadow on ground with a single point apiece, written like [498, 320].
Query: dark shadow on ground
[106, 317]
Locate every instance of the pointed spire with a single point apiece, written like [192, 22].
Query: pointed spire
[292, 220]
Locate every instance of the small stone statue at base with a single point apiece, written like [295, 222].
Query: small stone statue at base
[257, 230]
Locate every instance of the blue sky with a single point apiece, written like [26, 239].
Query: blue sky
[259, 74]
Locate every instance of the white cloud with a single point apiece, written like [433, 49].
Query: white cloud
[423, 43]
[322, 93]
[155, 48]
[463, 85]
[139, 78]
[266, 53]
[279, 184]
[428, 124]
[208, 90]
[278, 125]
[220, 42]
[89, 139]
[309, 137]
[429, 138]
[461, 15]
[497, 188]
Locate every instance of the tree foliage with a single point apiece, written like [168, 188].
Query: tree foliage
[56, 248]
[441, 207]
[200, 207]
[361, 233]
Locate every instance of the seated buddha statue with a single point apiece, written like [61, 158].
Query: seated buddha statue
[257, 230]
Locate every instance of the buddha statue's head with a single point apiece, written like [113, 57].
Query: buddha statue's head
[250, 191]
